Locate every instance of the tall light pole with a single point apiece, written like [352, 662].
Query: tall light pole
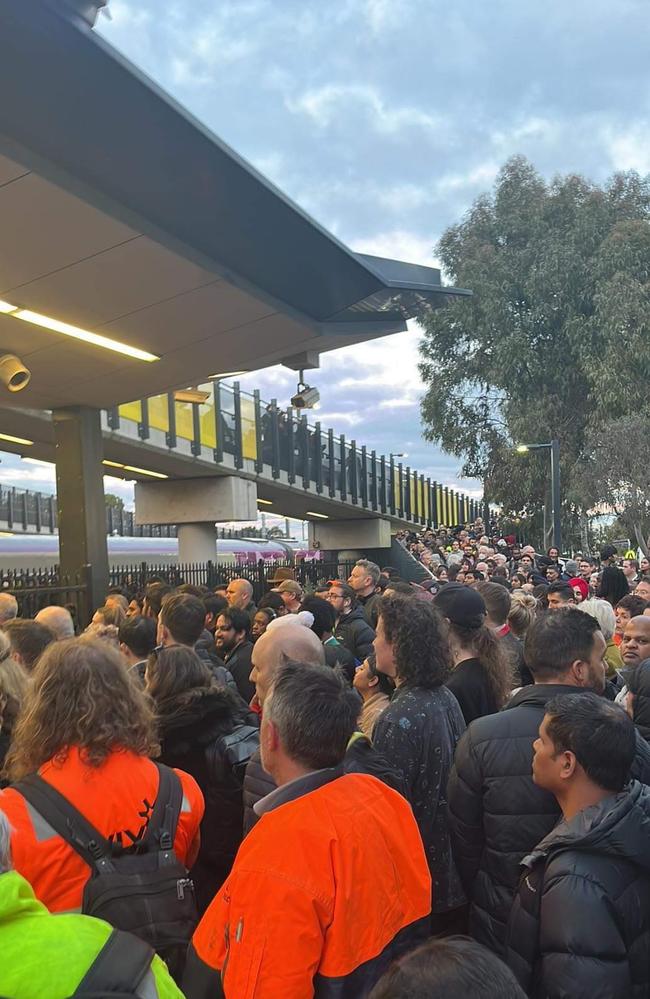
[554, 448]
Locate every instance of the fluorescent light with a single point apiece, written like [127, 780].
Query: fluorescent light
[16, 440]
[265, 502]
[321, 516]
[228, 374]
[134, 468]
[191, 395]
[7, 534]
[66, 329]
[6, 308]
[145, 471]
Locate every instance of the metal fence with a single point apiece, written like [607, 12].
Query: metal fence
[38, 588]
[134, 578]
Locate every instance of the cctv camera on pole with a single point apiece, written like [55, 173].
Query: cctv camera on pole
[306, 397]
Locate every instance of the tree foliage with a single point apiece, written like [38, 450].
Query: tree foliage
[554, 338]
[614, 469]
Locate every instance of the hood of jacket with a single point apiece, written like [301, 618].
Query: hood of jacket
[198, 717]
[618, 826]
[17, 898]
[357, 614]
[538, 694]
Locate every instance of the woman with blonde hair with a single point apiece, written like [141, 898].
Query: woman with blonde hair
[87, 729]
[523, 611]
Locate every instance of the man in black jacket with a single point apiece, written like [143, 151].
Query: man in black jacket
[580, 922]
[497, 814]
[232, 642]
[352, 628]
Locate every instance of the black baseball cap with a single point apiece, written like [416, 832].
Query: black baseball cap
[462, 605]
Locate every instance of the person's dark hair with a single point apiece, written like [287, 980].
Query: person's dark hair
[497, 601]
[347, 592]
[442, 969]
[600, 734]
[452, 572]
[214, 604]
[418, 636]
[314, 712]
[399, 586]
[184, 616]
[29, 639]
[324, 614]
[154, 594]
[272, 600]
[539, 592]
[171, 672]
[139, 635]
[613, 585]
[556, 639]
[635, 605]
[385, 684]
[491, 654]
[477, 574]
[240, 620]
[565, 591]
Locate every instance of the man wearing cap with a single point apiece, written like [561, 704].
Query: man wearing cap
[280, 575]
[291, 593]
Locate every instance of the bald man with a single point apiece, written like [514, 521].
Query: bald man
[288, 640]
[8, 608]
[239, 595]
[58, 620]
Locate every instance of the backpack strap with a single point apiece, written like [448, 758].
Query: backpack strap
[120, 966]
[69, 823]
[161, 830]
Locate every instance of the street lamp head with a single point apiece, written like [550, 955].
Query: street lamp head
[522, 449]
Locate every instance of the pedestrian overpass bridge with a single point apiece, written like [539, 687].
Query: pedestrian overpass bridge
[292, 467]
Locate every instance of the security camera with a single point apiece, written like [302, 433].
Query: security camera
[13, 373]
[305, 397]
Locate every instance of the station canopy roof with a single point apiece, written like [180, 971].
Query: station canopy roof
[123, 218]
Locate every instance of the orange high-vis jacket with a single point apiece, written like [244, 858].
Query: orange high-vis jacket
[326, 890]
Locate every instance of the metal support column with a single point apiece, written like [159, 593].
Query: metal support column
[80, 498]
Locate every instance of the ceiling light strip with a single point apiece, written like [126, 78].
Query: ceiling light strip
[76, 332]
[16, 440]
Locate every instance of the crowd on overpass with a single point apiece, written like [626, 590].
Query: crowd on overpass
[376, 788]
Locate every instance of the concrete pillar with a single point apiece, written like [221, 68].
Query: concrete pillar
[80, 498]
[357, 535]
[195, 505]
[197, 542]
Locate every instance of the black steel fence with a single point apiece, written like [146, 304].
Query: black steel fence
[134, 578]
[38, 588]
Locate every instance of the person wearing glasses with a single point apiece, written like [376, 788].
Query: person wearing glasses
[352, 628]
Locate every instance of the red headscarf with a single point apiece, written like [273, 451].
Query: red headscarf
[580, 584]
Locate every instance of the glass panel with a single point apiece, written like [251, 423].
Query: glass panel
[131, 411]
[159, 413]
[184, 421]
[396, 491]
[248, 438]
[227, 419]
[412, 493]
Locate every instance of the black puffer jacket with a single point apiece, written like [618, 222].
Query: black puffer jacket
[355, 633]
[580, 922]
[638, 683]
[191, 728]
[360, 758]
[497, 814]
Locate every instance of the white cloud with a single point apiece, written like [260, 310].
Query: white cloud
[322, 104]
[628, 148]
[400, 244]
[398, 403]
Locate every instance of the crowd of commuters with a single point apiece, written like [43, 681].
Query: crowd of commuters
[376, 789]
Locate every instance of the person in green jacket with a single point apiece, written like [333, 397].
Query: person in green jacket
[46, 956]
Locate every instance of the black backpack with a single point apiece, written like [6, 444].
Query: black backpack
[145, 890]
[118, 970]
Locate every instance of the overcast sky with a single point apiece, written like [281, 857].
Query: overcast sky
[384, 119]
